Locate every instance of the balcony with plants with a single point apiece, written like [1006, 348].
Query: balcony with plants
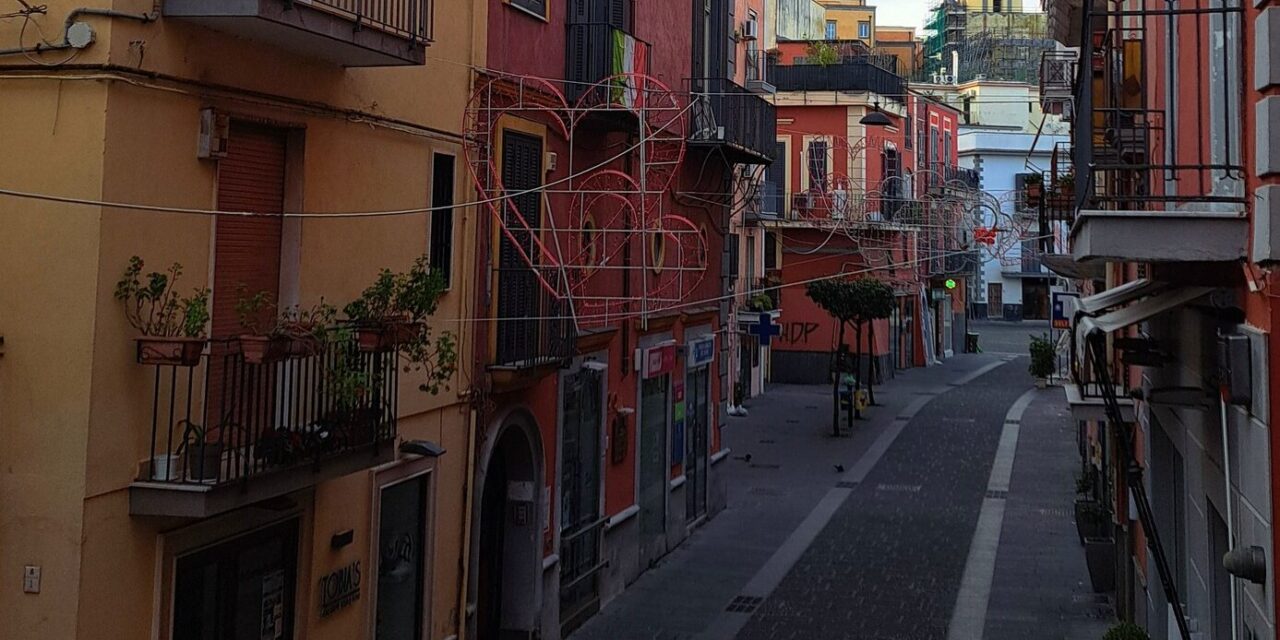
[297, 397]
[350, 33]
[825, 69]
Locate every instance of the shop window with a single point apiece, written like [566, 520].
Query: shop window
[402, 527]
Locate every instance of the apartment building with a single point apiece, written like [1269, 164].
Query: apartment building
[162, 487]
[1168, 185]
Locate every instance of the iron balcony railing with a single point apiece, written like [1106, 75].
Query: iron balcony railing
[592, 55]
[229, 420]
[1057, 81]
[757, 72]
[945, 177]
[534, 326]
[410, 19]
[725, 113]
[848, 75]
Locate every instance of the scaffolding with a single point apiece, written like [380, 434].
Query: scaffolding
[992, 46]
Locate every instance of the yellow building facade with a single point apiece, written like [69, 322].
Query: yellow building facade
[124, 129]
[850, 20]
[994, 6]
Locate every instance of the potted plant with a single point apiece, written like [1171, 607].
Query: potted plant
[354, 415]
[259, 343]
[1093, 519]
[307, 327]
[391, 315]
[201, 448]
[1100, 556]
[172, 325]
[1126, 631]
[1064, 191]
[1034, 185]
[760, 302]
[1043, 358]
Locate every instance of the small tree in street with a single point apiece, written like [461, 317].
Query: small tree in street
[852, 303]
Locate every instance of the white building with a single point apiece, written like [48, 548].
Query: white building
[1012, 284]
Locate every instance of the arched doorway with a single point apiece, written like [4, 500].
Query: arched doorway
[508, 561]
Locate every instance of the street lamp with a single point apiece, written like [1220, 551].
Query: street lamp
[876, 118]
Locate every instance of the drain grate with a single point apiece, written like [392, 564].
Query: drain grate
[1056, 512]
[901, 488]
[744, 604]
[998, 494]
[761, 465]
[768, 442]
[846, 484]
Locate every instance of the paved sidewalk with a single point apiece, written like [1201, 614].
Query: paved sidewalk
[1041, 586]
[792, 468]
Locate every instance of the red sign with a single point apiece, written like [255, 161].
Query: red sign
[659, 360]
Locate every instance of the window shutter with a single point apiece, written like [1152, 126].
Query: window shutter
[442, 176]
[731, 243]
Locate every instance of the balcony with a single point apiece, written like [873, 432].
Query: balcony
[946, 178]
[229, 432]
[855, 75]
[757, 73]
[534, 327]
[1057, 83]
[1029, 264]
[351, 33]
[591, 57]
[743, 125]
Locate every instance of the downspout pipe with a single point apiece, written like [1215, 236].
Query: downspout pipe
[1231, 521]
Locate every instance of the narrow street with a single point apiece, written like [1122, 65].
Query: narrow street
[889, 533]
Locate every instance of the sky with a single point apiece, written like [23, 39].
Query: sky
[901, 13]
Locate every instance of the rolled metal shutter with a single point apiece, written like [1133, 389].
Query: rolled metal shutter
[247, 249]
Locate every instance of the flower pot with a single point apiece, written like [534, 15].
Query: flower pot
[1100, 554]
[1090, 521]
[177, 352]
[263, 349]
[164, 468]
[204, 463]
[383, 337]
[305, 346]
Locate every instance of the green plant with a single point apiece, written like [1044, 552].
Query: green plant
[348, 381]
[1043, 357]
[1096, 511]
[1066, 181]
[250, 310]
[305, 322]
[1033, 179]
[195, 434]
[1126, 631]
[154, 308]
[760, 302]
[822, 53]
[409, 299]
[1084, 484]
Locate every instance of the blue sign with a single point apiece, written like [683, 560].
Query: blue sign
[1060, 318]
[701, 352]
[765, 330]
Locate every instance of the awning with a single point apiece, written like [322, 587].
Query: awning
[1144, 309]
[1117, 296]
[1066, 266]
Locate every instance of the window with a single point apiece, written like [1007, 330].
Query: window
[831, 29]
[864, 30]
[733, 242]
[817, 164]
[402, 564]
[770, 251]
[996, 6]
[906, 131]
[536, 7]
[441, 251]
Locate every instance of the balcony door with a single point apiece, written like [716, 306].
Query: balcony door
[580, 523]
[697, 420]
[517, 285]
[251, 178]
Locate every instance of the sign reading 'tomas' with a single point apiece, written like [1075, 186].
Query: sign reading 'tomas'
[340, 588]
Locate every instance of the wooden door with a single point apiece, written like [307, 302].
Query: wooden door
[995, 300]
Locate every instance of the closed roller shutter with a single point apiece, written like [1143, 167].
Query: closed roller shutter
[250, 178]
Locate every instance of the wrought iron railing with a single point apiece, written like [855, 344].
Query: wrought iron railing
[534, 326]
[411, 19]
[229, 419]
[946, 177]
[849, 75]
[726, 113]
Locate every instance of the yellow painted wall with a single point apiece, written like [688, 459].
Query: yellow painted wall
[75, 407]
[847, 14]
[47, 319]
[989, 5]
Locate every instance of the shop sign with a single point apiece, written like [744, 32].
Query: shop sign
[659, 361]
[1060, 318]
[701, 352]
[339, 589]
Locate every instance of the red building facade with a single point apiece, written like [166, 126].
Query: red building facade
[605, 139]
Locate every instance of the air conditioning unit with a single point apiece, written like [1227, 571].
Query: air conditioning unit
[750, 30]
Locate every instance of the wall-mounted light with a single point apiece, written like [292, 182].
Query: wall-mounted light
[421, 448]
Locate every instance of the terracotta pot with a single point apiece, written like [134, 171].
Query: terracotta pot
[264, 349]
[177, 352]
[383, 337]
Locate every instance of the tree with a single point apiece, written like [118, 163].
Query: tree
[822, 53]
[852, 302]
